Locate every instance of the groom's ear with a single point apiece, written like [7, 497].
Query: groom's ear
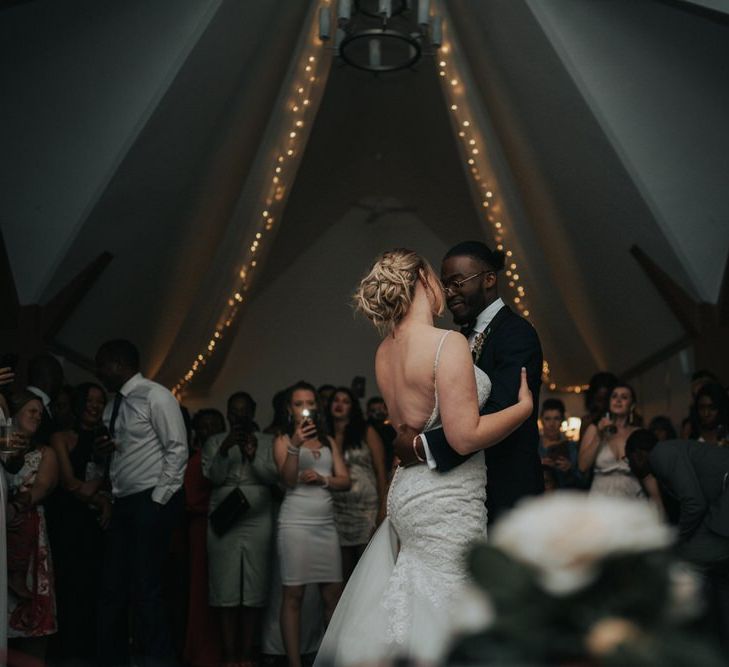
[490, 280]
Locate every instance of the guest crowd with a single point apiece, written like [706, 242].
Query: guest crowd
[133, 530]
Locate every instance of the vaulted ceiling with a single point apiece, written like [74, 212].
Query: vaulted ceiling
[135, 128]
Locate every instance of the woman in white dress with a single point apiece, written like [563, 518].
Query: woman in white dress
[399, 601]
[311, 465]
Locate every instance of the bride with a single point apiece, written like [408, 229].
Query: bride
[400, 600]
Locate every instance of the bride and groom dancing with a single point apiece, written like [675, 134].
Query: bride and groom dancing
[474, 396]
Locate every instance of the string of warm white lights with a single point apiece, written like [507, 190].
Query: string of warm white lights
[475, 153]
[310, 73]
[472, 145]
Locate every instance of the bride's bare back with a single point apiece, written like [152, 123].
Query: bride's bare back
[404, 370]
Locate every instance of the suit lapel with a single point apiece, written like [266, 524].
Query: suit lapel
[489, 332]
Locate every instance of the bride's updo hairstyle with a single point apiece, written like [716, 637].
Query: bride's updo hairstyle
[386, 293]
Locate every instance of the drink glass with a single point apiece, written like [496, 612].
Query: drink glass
[11, 442]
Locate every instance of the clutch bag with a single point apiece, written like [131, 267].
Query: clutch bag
[232, 508]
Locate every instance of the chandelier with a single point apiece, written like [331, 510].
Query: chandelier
[382, 35]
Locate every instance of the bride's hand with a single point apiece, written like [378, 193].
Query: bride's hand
[525, 395]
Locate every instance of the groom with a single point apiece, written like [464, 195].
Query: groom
[501, 343]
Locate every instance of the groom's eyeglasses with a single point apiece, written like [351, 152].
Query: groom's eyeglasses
[453, 286]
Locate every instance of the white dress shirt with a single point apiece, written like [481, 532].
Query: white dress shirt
[482, 322]
[43, 397]
[150, 438]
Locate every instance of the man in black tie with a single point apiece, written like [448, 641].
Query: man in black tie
[501, 342]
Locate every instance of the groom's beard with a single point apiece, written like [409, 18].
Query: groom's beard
[464, 309]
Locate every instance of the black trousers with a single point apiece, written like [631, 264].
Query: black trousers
[136, 545]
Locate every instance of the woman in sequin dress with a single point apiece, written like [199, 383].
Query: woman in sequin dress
[360, 509]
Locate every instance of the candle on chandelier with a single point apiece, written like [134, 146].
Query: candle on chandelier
[423, 12]
[375, 53]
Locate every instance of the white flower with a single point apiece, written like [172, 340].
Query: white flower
[565, 535]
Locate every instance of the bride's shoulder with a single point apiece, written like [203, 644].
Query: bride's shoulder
[454, 347]
[451, 338]
[451, 333]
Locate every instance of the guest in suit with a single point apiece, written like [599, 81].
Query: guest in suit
[502, 343]
[696, 475]
[45, 379]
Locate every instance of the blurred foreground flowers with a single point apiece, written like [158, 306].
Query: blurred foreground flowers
[581, 580]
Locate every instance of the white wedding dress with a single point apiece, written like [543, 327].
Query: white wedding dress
[401, 599]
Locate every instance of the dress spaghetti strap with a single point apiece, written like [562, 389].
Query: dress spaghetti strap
[434, 414]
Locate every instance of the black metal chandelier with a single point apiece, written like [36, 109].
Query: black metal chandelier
[382, 35]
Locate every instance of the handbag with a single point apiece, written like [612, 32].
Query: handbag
[232, 508]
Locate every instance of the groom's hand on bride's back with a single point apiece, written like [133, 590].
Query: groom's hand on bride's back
[406, 452]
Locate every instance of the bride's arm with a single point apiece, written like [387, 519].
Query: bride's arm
[466, 430]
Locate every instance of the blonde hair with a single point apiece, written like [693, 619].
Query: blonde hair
[386, 293]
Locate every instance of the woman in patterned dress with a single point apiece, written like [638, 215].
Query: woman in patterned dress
[360, 509]
[32, 618]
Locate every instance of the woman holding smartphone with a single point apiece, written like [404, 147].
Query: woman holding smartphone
[310, 465]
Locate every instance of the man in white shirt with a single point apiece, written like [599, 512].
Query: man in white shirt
[146, 473]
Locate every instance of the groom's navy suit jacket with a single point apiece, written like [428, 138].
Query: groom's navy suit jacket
[514, 466]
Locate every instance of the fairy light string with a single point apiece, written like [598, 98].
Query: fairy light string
[310, 73]
[474, 152]
[310, 70]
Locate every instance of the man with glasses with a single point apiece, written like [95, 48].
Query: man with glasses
[501, 342]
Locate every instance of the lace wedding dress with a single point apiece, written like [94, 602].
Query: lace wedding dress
[401, 598]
